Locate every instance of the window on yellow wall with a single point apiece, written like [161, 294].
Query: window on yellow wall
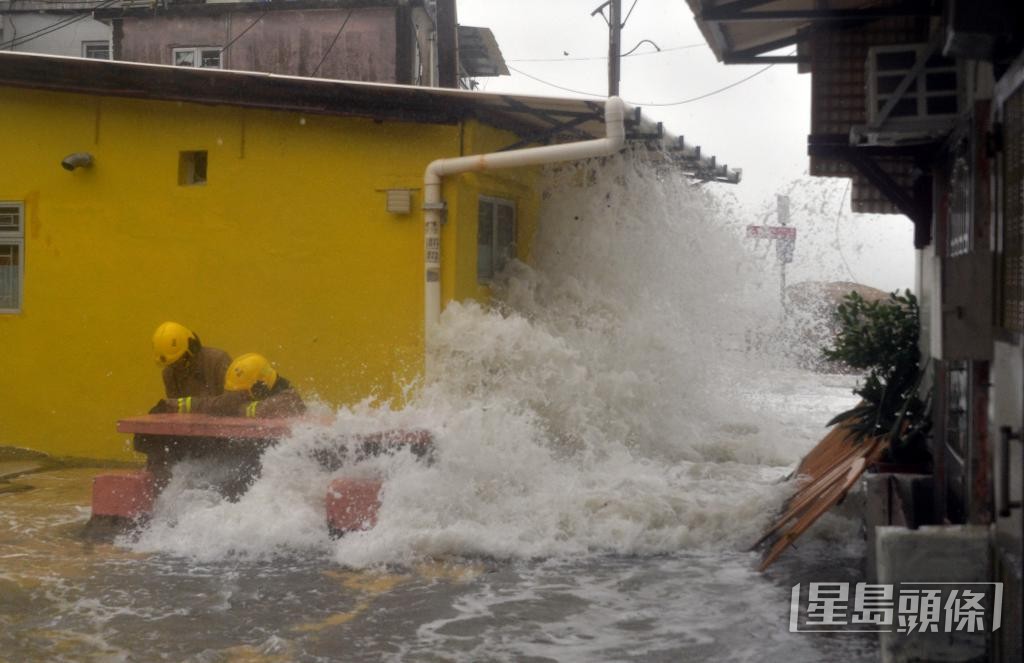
[496, 236]
[12, 255]
[192, 168]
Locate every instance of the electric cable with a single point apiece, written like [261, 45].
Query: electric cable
[605, 57]
[249, 27]
[42, 32]
[559, 87]
[633, 103]
[629, 13]
[53, 27]
[331, 47]
[709, 94]
[638, 45]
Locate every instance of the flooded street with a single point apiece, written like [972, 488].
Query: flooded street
[607, 444]
[62, 598]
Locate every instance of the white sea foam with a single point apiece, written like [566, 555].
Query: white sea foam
[605, 402]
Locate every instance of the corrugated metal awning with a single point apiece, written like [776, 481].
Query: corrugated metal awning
[479, 54]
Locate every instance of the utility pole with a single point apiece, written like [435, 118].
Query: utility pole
[614, 45]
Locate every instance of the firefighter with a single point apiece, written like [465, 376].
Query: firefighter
[252, 388]
[268, 394]
[190, 369]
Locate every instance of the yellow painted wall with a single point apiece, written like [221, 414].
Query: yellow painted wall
[287, 250]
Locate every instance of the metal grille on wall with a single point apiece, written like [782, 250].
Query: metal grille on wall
[1012, 259]
[960, 218]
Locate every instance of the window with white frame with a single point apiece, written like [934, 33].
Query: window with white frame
[12, 255]
[496, 237]
[205, 57]
[96, 50]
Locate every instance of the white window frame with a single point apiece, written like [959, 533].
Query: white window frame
[509, 250]
[87, 44]
[15, 238]
[197, 56]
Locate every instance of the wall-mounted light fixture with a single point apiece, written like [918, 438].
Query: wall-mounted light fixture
[77, 160]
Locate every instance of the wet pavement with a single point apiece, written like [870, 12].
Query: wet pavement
[63, 598]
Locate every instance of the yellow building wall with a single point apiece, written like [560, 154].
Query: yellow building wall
[286, 250]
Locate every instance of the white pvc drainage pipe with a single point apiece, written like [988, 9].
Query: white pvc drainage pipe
[615, 138]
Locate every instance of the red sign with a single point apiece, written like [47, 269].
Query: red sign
[771, 232]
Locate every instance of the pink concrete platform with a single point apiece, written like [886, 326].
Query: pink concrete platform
[352, 504]
[166, 439]
[206, 425]
[128, 495]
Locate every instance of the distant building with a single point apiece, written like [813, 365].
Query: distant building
[53, 27]
[414, 42]
[921, 104]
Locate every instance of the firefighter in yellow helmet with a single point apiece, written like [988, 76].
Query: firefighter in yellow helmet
[252, 388]
[190, 369]
[268, 394]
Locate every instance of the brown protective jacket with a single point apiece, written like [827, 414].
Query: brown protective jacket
[283, 401]
[202, 374]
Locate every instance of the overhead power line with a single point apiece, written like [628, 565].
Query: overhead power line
[247, 28]
[549, 84]
[671, 103]
[712, 93]
[605, 57]
[333, 42]
[53, 27]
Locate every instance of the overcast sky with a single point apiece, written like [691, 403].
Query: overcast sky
[760, 125]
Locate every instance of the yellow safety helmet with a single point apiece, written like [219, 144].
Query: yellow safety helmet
[248, 370]
[171, 341]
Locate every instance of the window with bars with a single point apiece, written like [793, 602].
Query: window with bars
[957, 415]
[12, 251]
[206, 57]
[496, 237]
[1011, 260]
[961, 218]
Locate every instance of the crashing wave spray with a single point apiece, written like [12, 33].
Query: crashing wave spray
[592, 407]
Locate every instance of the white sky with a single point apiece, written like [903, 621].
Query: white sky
[760, 125]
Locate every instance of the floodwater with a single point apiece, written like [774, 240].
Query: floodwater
[607, 448]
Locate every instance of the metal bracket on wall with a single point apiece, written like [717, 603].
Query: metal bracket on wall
[441, 208]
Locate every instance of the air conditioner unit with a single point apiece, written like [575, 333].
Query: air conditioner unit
[924, 108]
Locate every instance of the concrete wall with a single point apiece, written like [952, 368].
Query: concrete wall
[289, 42]
[65, 41]
[287, 250]
[952, 554]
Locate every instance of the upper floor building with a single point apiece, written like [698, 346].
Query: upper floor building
[416, 42]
